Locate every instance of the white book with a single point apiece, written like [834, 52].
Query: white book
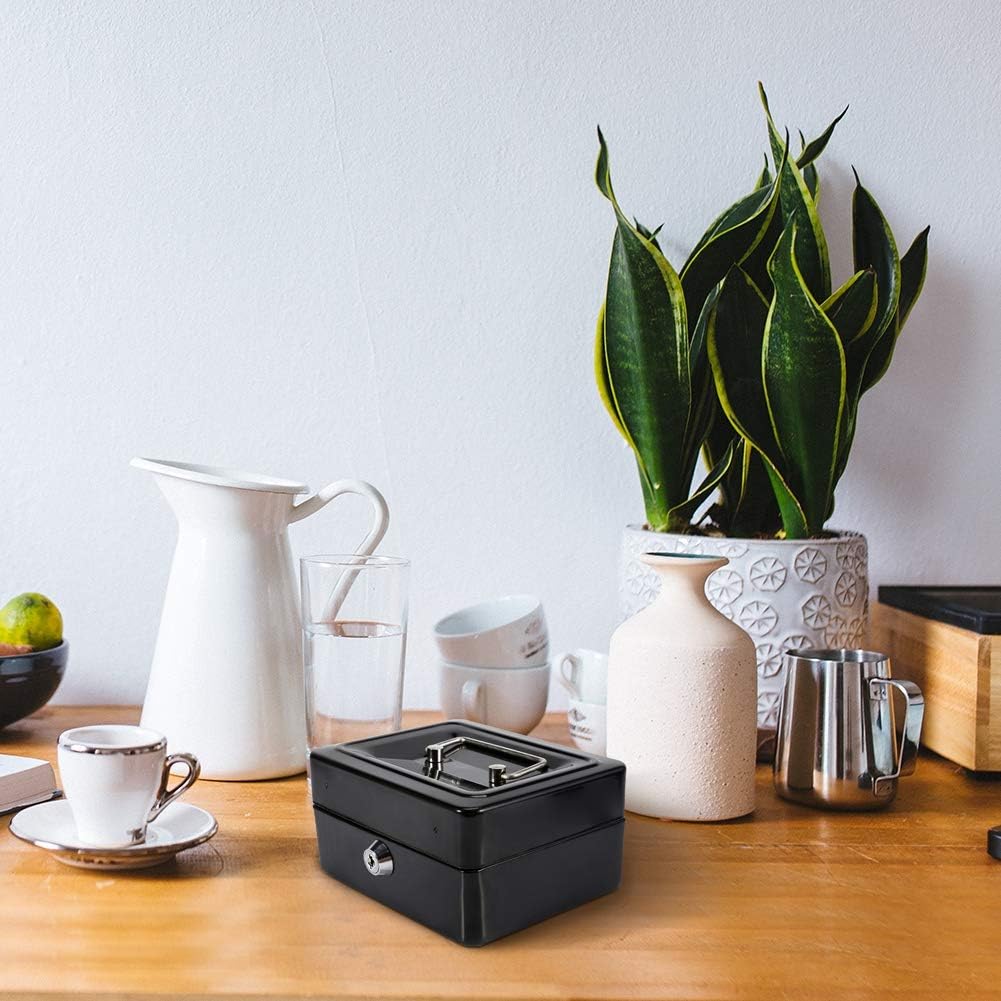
[24, 781]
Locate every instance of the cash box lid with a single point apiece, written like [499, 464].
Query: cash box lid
[467, 794]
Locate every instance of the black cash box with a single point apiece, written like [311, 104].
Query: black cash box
[472, 831]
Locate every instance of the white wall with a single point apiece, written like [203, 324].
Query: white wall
[363, 240]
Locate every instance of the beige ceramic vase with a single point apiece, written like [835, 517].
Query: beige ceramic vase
[682, 693]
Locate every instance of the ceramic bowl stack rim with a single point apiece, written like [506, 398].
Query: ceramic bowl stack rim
[494, 662]
[503, 633]
[495, 667]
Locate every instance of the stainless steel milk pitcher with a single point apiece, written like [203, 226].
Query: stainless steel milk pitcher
[836, 744]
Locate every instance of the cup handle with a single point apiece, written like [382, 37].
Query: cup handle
[569, 681]
[913, 716]
[165, 796]
[473, 701]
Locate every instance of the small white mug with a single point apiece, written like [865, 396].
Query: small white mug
[115, 779]
[586, 722]
[511, 698]
[505, 632]
[584, 674]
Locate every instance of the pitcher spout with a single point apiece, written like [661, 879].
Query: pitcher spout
[222, 497]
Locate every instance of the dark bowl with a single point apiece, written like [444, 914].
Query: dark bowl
[29, 680]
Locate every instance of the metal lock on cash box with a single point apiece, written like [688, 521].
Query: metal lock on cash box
[472, 831]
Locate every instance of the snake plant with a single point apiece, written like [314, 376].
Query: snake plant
[746, 355]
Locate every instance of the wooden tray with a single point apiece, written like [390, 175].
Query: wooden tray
[959, 672]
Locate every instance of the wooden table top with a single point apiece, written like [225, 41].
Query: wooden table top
[792, 903]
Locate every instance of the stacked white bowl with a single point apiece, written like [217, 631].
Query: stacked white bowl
[495, 663]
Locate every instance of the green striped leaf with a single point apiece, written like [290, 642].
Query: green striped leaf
[798, 206]
[734, 338]
[873, 247]
[646, 357]
[803, 368]
[755, 265]
[913, 266]
[756, 511]
[732, 238]
[651, 235]
[852, 308]
[686, 511]
[735, 341]
[704, 405]
[809, 153]
[601, 378]
[809, 172]
[765, 177]
[747, 505]
[812, 179]
[813, 149]
[754, 261]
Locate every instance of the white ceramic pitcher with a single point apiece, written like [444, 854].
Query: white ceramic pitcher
[227, 676]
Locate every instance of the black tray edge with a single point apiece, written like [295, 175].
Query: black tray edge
[914, 598]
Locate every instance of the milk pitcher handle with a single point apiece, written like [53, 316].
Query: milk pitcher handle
[379, 525]
[323, 497]
[913, 717]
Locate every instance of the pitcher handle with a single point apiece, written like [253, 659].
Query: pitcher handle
[913, 717]
[323, 497]
[379, 525]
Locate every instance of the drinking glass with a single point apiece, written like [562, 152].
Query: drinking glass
[354, 620]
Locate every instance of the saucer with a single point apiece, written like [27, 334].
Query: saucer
[51, 826]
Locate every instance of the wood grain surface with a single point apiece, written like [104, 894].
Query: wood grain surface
[959, 672]
[789, 904]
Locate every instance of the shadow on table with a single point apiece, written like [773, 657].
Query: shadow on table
[21, 732]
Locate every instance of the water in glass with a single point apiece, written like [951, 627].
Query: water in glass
[354, 679]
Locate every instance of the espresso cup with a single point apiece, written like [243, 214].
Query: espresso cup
[115, 779]
[505, 632]
[586, 722]
[511, 698]
[584, 674]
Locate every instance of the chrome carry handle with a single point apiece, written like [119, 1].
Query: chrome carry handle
[497, 774]
[913, 717]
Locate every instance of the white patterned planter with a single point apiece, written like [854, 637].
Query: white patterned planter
[787, 594]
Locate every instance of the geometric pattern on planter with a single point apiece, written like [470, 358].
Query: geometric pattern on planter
[724, 587]
[769, 659]
[852, 556]
[731, 549]
[797, 641]
[835, 629]
[787, 595]
[757, 618]
[816, 611]
[810, 565]
[846, 588]
[768, 709]
[767, 574]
